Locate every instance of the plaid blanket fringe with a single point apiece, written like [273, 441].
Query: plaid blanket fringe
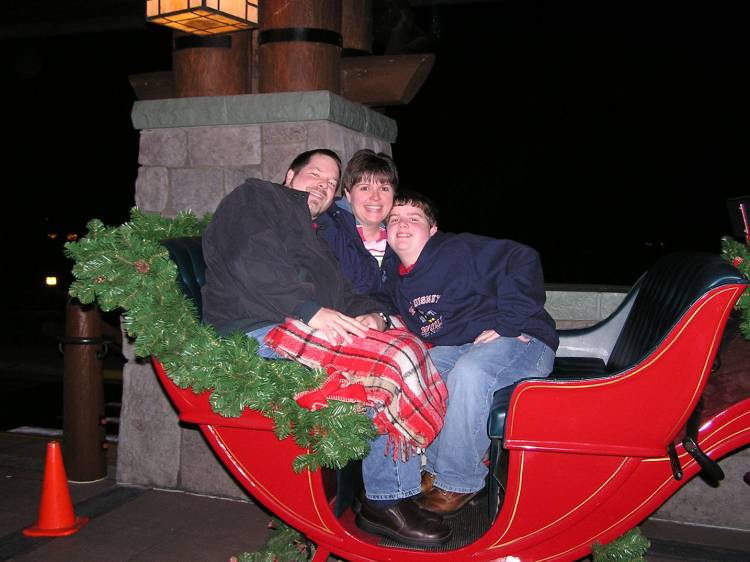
[389, 371]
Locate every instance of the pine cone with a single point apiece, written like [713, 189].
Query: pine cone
[142, 266]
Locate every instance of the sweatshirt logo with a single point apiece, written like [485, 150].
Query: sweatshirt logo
[431, 322]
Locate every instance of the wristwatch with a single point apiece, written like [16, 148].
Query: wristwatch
[386, 319]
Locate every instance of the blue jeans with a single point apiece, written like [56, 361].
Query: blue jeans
[472, 373]
[385, 479]
[263, 350]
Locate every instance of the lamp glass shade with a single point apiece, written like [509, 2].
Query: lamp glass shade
[204, 17]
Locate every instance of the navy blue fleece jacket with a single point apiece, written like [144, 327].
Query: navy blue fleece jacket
[463, 284]
[339, 228]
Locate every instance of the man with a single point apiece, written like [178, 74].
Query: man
[480, 301]
[266, 262]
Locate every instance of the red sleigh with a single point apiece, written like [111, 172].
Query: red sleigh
[580, 457]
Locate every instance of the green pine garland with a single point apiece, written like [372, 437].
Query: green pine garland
[630, 547]
[738, 254]
[126, 267]
[284, 545]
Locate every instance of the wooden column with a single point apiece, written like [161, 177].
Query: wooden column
[356, 26]
[299, 46]
[83, 394]
[213, 65]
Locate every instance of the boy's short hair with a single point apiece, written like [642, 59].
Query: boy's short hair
[420, 201]
[366, 164]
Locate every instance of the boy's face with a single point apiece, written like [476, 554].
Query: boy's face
[408, 232]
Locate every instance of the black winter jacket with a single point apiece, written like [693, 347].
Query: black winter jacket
[266, 263]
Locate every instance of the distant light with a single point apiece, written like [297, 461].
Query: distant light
[204, 17]
[72, 237]
[52, 235]
[50, 281]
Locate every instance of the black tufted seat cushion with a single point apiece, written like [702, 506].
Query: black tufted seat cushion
[187, 253]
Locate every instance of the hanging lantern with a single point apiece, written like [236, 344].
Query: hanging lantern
[203, 17]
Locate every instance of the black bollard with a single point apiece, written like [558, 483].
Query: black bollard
[83, 393]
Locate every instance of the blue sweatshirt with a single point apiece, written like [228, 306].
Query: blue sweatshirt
[463, 284]
[339, 228]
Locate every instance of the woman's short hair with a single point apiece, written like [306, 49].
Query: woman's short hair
[366, 164]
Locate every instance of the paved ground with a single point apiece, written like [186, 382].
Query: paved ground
[144, 525]
[127, 523]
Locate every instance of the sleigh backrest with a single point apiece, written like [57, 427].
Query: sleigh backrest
[665, 294]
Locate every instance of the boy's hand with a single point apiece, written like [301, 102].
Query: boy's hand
[487, 336]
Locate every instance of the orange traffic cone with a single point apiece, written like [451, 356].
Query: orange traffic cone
[56, 517]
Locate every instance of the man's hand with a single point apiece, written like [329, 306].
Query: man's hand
[372, 320]
[336, 326]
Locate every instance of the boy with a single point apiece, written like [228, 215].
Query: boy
[480, 301]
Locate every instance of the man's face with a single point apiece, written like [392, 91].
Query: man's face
[408, 232]
[319, 178]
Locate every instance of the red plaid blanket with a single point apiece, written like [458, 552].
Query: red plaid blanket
[389, 371]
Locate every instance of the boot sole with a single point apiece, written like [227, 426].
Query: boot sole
[375, 529]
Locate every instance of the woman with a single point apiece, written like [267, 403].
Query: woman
[353, 226]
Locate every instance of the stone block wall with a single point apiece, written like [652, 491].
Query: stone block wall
[193, 168]
[581, 306]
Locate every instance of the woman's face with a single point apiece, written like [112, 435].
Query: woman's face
[371, 201]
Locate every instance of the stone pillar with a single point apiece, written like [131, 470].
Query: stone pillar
[193, 151]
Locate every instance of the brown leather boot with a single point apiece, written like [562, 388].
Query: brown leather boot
[443, 502]
[404, 522]
[427, 480]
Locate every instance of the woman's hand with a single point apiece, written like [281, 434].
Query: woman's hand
[372, 320]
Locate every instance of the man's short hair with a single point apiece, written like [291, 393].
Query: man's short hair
[420, 201]
[303, 160]
[366, 164]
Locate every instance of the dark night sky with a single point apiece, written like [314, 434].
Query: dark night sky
[603, 134]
